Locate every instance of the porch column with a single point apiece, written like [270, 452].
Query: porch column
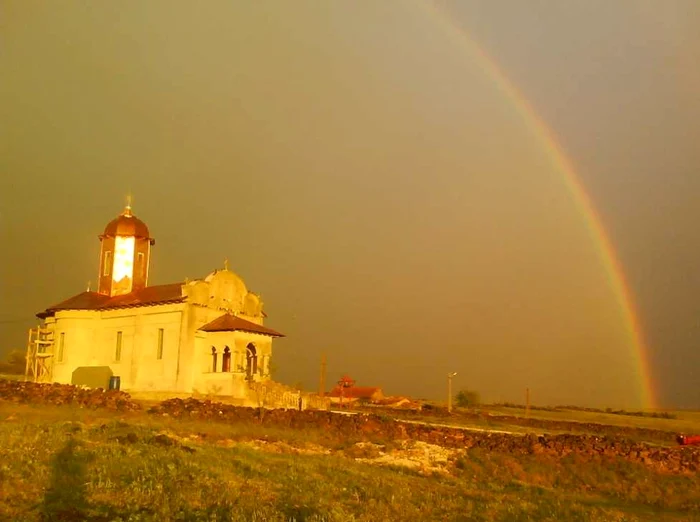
[214, 359]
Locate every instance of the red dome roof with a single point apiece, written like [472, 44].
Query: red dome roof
[126, 224]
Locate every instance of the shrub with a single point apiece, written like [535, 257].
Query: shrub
[466, 398]
[15, 364]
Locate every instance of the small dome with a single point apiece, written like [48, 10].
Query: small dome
[126, 224]
[226, 290]
[226, 276]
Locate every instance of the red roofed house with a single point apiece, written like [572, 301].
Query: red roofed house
[204, 335]
[356, 393]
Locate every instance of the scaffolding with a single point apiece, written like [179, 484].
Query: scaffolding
[40, 355]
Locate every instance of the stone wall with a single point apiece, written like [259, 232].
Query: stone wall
[364, 427]
[375, 428]
[59, 394]
[441, 415]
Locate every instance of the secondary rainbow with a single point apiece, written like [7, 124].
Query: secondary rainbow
[561, 162]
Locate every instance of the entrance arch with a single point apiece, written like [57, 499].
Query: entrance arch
[226, 360]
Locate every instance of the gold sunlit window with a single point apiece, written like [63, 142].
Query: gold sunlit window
[123, 258]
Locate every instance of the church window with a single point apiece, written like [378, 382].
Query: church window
[108, 262]
[251, 361]
[118, 349]
[226, 360]
[213, 359]
[159, 353]
[61, 341]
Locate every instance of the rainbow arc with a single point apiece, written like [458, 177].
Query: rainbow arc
[563, 164]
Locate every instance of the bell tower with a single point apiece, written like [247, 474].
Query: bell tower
[125, 248]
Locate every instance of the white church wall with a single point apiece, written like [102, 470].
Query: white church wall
[156, 349]
[263, 349]
[90, 339]
[198, 355]
[74, 333]
[213, 380]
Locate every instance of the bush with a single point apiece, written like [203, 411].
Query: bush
[15, 364]
[466, 398]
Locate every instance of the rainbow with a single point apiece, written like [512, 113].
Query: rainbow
[561, 162]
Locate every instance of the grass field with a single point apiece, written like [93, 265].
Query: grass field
[64, 463]
[683, 421]
[515, 420]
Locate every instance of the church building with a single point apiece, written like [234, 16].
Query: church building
[205, 335]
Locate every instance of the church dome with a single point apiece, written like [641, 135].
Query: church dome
[227, 279]
[126, 224]
[227, 291]
[225, 276]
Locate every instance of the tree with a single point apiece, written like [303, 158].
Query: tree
[466, 398]
[15, 363]
[271, 369]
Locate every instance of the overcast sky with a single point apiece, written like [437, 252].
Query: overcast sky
[367, 177]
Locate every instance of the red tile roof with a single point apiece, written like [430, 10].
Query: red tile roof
[231, 323]
[151, 295]
[356, 392]
[159, 294]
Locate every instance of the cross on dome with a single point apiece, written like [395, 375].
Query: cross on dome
[127, 208]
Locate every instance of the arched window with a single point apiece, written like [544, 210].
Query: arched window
[226, 360]
[140, 263]
[108, 263]
[213, 358]
[251, 366]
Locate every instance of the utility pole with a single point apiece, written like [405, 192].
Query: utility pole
[322, 377]
[449, 391]
[527, 402]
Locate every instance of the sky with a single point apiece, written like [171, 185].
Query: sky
[364, 172]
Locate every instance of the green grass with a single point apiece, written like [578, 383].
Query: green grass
[64, 463]
[515, 420]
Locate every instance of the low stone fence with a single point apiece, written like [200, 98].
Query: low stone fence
[376, 428]
[58, 394]
[363, 427]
